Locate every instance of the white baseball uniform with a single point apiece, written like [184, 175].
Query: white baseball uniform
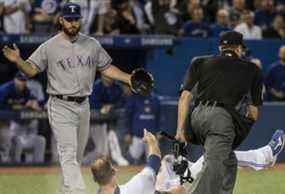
[257, 159]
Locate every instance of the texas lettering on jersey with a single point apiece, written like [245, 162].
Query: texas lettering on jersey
[73, 62]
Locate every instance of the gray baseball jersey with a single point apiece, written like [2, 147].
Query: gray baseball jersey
[71, 67]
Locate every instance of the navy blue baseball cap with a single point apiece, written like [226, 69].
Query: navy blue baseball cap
[71, 10]
[21, 76]
[231, 38]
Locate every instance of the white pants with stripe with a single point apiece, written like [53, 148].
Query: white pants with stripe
[257, 159]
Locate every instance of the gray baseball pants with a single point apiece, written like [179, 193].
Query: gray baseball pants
[214, 128]
[70, 124]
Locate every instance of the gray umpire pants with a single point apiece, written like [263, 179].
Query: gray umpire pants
[214, 128]
[70, 124]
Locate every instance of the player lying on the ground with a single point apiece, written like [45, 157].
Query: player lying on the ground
[258, 159]
[167, 181]
[142, 183]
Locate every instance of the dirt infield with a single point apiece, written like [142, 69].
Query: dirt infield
[55, 169]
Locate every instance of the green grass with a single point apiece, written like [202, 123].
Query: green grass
[260, 182]
[248, 182]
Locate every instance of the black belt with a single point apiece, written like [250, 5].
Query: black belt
[78, 99]
[209, 103]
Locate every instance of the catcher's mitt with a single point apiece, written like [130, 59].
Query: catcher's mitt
[141, 82]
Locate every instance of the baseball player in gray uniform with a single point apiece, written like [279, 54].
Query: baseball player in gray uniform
[71, 60]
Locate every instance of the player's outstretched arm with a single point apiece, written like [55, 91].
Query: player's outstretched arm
[144, 182]
[152, 143]
[14, 56]
[115, 73]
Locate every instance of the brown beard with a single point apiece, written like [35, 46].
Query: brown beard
[71, 33]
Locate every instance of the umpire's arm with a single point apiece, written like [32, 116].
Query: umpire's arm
[189, 83]
[183, 109]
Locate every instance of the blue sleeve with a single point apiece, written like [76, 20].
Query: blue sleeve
[95, 98]
[29, 95]
[269, 79]
[119, 102]
[153, 161]
[4, 91]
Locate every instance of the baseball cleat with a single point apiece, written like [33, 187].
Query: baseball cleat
[277, 142]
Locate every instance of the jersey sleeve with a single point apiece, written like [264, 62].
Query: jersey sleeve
[143, 183]
[103, 58]
[256, 88]
[191, 77]
[39, 57]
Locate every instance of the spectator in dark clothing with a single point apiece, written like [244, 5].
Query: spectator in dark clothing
[186, 8]
[237, 9]
[15, 95]
[166, 20]
[110, 26]
[105, 93]
[265, 15]
[222, 24]
[125, 21]
[234, 20]
[210, 8]
[277, 30]
[275, 78]
[196, 27]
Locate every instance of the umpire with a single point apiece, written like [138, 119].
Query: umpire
[221, 83]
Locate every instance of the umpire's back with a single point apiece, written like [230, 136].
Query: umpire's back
[226, 78]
